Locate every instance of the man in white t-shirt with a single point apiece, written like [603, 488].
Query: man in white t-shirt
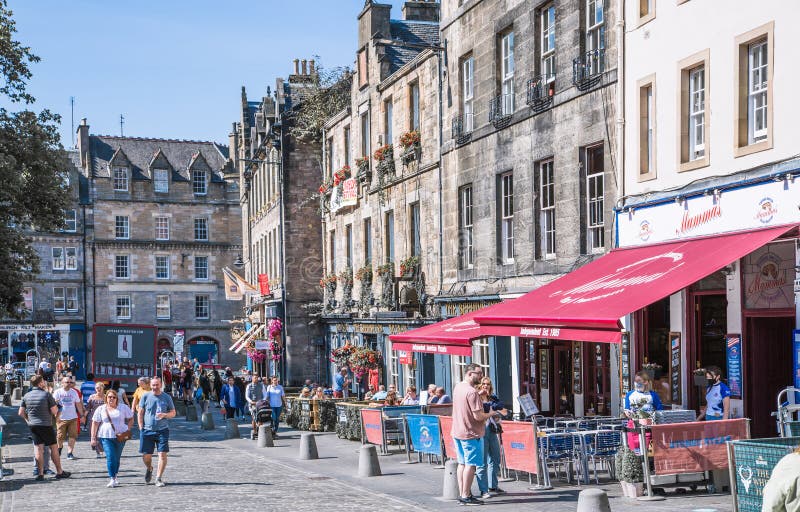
[69, 406]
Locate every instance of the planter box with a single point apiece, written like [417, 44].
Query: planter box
[632, 490]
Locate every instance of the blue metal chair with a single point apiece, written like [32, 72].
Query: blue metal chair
[602, 447]
[559, 450]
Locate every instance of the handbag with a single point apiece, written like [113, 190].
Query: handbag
[121, 438]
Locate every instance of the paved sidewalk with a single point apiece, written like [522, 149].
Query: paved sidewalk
[206, 472]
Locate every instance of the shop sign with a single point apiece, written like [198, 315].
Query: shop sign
[28, 327]
[434, 348]
[768, 276]
[405, 357]
[378, 328]
[733, 344]
[452, 309]
[349, 193]
[764, 205]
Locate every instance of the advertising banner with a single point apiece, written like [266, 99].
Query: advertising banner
[446, 423]
[124, 352]
[425, 433]
[263, 284]
[696, 446]
[371, 422]
[519, 446]
[349, 195]
[768, 277]
[434, 348]
[733, 343]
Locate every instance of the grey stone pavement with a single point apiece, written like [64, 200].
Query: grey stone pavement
[207, 472]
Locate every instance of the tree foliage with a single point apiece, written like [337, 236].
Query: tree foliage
[33, 167]
[324, 94]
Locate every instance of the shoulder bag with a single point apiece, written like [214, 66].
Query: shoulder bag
[120, 437]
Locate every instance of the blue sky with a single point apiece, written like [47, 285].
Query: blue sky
[174, 68]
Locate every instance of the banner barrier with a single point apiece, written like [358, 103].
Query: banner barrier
[446, 423]
[425, 433]
[372, 423]
[519, 446]
[696, 446]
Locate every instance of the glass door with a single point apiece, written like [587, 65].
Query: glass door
[564, 401]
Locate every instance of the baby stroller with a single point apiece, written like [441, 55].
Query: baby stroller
[262, 416]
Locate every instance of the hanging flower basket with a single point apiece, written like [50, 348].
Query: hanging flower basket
[274, 327]
[409, 139]
[257, 356]
[383, 153]
[385, 269]
[364, 273]
[409, 266]
[329, 280]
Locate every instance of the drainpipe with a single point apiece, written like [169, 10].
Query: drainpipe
[281, 185]
[440, 64]
[620, 29]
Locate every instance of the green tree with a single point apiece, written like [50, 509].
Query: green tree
[323, 95]
[33, 167]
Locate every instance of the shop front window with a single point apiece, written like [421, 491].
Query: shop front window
[598, 379]
[653, 346]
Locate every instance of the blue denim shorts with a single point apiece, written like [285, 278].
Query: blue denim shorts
[469, 451]
[157, 440]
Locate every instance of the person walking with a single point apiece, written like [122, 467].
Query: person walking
[240, 409]
[718, 397]
[487, 474]
[144, 387]
[277, 401]
[255, 392]
[230, 398]
[95, 401]
[155, 408]
[70, 407]
[469, 426]
[216, 387]
[38, 408]
[111, 427]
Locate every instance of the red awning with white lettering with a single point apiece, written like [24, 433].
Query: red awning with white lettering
[587, 304]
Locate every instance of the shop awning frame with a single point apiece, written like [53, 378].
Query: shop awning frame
[253, 331]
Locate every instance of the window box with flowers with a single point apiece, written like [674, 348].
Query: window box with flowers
[364, 174]
[384, 156]
[410, 142]
[346, 278]
[340, 176]
[409, 267]
[328, 284]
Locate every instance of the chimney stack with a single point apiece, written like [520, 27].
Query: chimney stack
[421, 10]
[304, 66]
[83, 143]
[311, 67]
[296, 66]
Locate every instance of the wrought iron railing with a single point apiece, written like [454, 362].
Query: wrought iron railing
[541, 90]
[588, 68]
[501, 109]
[462, 128]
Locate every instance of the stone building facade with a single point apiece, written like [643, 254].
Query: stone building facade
[380, 191]
[163, 222]
[278, 173]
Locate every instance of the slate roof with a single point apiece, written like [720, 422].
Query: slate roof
[414, 32]
[141, 152]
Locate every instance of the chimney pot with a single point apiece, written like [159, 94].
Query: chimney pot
[303, 64]
[83, 121]
[296, 66]
[311, 66]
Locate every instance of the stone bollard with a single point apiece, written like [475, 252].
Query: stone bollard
[207, 421]
[368, 464]
[204, 405]
[191, 413]
[450, 483]
[308, 447]
[7, 400]
[265, 437]
[16, 394]
[180, 408]
[593, 500]
[231, 429]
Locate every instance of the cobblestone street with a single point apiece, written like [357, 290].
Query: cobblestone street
[206, 472]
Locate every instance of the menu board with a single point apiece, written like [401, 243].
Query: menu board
[675, 366]
[528, 405]
[576, 368]
[625, 364]
[733, 350]
[544, 367]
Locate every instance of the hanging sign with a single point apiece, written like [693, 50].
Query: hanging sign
[263, 284]
[733, 344]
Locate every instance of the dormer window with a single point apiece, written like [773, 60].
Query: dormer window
[120, 175]
[161, 180]
[199, 183]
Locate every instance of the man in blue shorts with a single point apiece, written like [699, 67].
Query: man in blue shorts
[469, 426]
[155, 408]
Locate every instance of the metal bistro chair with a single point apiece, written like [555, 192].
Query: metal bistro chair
[559, 450]
[603, 447]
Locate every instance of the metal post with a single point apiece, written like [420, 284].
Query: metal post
[643, 447]
[503, 469]
[541, 464]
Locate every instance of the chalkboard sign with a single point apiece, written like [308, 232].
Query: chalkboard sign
[625, 363]
[528, 405]
[675, 366]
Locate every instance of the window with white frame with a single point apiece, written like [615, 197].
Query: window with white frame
[595, 36]
[480, 354]
[201, 267]
[459, 367]
[414, 105]
[122, 269]
[367, 241]
[201, 229]
[415, 234]
[757, 91]
[71, 221]
[647, 163]
[202, 307]
[388, 236]
[123, 306]
[57, 258]
[162, 228]
[388, 113]
[394, 370]
[162, 266]
[72, 299]
[465, 226]
[120, 179]
[199, 182]
[507, 72]
[547, 59]
[161, 180]
[697, 112]
[547, 208]
[365, 146]
[59, 299]
[595, 190]
[346, 148]
[122, 227]
[162, 307]
[468, 93]
[71, 257]
[507, 217]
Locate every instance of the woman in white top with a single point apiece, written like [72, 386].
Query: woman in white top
[109, 420]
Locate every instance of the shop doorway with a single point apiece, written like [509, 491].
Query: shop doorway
[768, 360]
[563, 399]
[709, 326]
[597, 384]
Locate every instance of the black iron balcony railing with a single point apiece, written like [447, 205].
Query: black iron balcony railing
[588, 69]
[541, 90]
[501, 109]
[462, 128]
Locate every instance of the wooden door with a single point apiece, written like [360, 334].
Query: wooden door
[563, 401]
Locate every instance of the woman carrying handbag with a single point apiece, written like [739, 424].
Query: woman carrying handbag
[111, 426]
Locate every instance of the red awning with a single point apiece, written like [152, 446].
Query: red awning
[586, 304]
[452, 336]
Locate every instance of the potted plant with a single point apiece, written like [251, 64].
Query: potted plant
[700, 377]
[364, 173]
[651, 369]
[385, 269]
[409, 266]
[410, 142]
[630, 472]
[364, 274]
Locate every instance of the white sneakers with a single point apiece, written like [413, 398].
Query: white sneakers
[160, 482]
[113, 482]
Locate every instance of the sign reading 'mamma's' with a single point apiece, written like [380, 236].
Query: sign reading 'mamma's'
[124, 352]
